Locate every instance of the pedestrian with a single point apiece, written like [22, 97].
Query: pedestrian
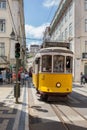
[13, 76]
[30, 72]
[4, 76]
[26, 76]
[8, 76]
[82, 78]
[22, 77]
[19, 74]
[1, 78]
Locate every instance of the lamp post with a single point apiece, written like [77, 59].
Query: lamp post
[17, 85]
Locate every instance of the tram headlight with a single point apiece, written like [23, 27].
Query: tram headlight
[58, 84]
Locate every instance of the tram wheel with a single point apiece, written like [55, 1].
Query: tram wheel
[44, 97]
[64, 98]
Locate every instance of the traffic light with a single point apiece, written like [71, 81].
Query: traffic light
[17, 50]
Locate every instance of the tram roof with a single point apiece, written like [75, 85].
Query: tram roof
[48, 43]
[55, 49]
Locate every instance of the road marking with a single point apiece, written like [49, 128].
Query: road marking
[19, 107]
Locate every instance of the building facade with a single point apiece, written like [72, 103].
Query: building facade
[34, 49]
[69, 24]
[11, 21]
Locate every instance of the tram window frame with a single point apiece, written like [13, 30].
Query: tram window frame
[39, 64]
[69, 60]
[59, 63]
[46, 65]
[36, 65]
[36, 60]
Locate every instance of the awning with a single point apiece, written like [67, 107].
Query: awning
[3, 59]
[2, 69]
[4, 65]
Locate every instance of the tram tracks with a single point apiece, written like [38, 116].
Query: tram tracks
[57, 112]
[76, 111]
[63, 115]
[67, 115]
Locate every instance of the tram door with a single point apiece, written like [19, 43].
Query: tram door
[37, 68]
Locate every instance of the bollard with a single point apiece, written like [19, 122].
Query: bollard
[17, 91]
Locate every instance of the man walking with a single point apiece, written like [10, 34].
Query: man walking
[22, 77]
[82, 79]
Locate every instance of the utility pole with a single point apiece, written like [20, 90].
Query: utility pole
[17, 85]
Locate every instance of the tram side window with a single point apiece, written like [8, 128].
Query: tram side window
[58, 63]
[46, 63]
[68, 64]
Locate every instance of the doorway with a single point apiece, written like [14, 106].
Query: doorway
[85, 69]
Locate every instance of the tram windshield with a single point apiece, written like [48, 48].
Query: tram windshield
[58, 63]
[46, 63]
[61, 64]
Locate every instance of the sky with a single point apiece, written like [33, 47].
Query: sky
[38, 15]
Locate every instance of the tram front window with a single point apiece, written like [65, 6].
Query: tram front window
[46, 63]
[58, 63]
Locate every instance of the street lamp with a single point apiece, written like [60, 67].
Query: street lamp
[17, 85]
[12, 34]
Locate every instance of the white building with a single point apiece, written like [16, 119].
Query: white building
[34, 49]
[46, 34]
[70, 25]
[11, 19]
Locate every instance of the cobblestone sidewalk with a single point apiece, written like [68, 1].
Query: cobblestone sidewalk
[13, 116]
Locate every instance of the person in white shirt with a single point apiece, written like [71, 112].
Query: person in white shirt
[4, 75]
[22, 78]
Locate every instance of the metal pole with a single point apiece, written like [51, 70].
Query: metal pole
[17, 80]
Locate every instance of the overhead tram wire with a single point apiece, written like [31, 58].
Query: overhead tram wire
[11, 16]
[77, 24]
[35, 39]
[50, 13]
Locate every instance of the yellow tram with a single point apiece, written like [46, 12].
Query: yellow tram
[52, 71]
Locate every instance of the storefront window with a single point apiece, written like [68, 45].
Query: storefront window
[58, 63]
[47, 63]
[2, 49]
